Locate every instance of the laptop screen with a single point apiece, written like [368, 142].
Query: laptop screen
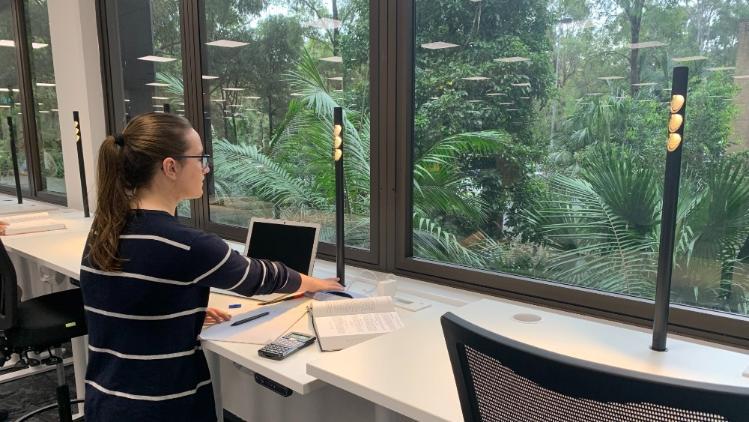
[293, 244]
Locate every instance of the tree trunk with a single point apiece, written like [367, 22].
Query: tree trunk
[335, 30]
[634, 53]
[270, 117]
[634, 14]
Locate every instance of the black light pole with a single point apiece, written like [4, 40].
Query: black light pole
[14, 159]
[81, 168]
[339, 192]
[670, 201]
[167, 108]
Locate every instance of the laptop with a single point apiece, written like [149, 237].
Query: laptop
[292, 242]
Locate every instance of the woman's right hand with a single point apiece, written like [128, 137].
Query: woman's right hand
[312, 284]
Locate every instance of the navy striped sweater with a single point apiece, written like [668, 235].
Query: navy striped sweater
[145, 361]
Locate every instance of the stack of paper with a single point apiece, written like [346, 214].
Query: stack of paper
[30, 223]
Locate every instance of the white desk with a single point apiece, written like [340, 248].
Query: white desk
[413, 375]
[61, 251]
[408, 371]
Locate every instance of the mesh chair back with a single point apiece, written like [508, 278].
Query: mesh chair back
[500, 379]
[8, 291]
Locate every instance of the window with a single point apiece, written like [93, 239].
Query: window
[44, 97]
[28, 96]
[147, 68]
[271, 75]
[10, 103]
[539, 143]
[510, 147]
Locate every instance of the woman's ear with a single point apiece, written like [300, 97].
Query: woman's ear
[169, 167]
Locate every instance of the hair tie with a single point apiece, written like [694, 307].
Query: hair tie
[119, 140]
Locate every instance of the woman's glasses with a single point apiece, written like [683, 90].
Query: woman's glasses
[205, 159]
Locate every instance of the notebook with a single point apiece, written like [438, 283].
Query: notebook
[343, 323]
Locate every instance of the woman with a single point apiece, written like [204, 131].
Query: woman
[145, 278]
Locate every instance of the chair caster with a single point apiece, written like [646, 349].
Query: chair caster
[52, 360]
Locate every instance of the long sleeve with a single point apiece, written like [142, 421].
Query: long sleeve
[220, 266]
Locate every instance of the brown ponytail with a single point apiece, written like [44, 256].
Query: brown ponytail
[125, 164]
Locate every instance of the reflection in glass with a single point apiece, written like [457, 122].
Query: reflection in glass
[540, 139]
[271, 77]
[151, 61]
[10, 103]
[45, 97]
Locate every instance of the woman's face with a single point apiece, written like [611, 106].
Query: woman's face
[190, 171]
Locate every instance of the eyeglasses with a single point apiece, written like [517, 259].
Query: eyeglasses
[205, 159]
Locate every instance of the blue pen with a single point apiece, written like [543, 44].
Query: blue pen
[235, 305]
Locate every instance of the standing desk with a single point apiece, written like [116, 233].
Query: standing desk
[409, 371]
[61, 251]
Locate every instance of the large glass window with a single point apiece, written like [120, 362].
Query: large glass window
[539, 142]
[272, 73]
[10, 102]
[44, 96]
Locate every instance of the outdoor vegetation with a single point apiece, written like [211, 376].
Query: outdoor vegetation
[539, 132]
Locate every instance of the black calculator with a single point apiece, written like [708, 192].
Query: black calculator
[285, 345]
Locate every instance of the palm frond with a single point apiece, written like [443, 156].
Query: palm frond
[256, 173]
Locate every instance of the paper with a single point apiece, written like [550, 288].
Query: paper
[33, 226]
[261, 331]
[371, 323]
[343, 323]
[11, 219]
[354, 306]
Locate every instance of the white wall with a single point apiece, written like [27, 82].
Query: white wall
[75, 54]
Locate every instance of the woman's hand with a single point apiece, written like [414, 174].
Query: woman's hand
[215, 316]
[312, 284]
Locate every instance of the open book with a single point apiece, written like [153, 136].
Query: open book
[30, 223]
[343, 323]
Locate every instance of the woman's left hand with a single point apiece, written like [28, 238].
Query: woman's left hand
[215, 316]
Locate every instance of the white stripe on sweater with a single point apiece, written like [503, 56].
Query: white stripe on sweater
[241, 280]
[144, 317]
[157, 279]
[148, 398]
[144, 357]
[156, 238]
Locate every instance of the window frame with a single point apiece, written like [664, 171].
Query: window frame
[33, 158]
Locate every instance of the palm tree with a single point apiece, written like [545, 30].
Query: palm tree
[295, 172]
[604, 227]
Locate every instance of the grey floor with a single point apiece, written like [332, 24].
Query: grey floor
[26, 394]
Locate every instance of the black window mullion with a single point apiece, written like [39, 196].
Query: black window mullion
[192, 70]
[31, 140]
[402, 162]
[111, 67]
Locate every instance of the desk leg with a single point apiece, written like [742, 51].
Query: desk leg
[214, 365]
[80, 360]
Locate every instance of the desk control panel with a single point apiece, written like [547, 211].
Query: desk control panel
[273, 386]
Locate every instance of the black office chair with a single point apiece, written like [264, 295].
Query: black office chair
[39, 324]
[500, 379]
